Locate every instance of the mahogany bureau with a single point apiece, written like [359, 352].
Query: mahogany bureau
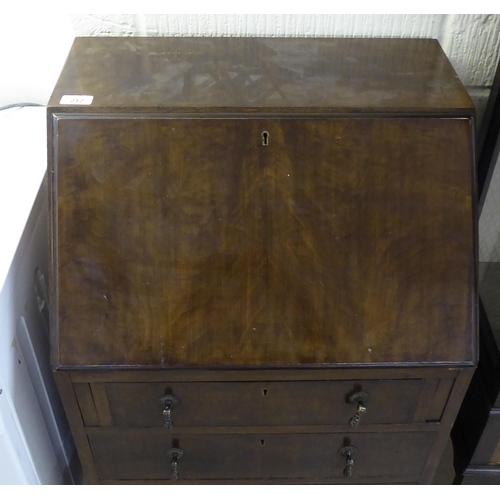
[263, 258]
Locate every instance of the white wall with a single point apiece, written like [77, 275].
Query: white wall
[33, 49]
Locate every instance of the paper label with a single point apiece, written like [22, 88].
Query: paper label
[82, 100]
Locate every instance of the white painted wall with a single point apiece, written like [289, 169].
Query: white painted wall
[33, 49]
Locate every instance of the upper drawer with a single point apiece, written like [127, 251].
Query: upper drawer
[208, 404]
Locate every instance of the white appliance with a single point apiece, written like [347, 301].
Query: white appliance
[35, 442]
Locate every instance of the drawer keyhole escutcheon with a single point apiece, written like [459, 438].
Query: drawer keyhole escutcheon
[360, 399]
[348, 452]
[168, 401]
[264, 392]
[265, 138]
[174, 454]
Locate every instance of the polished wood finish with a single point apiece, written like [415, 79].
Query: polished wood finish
[272, 403]
[296, 75]
[142, 455]
[355, 374]
[262, 227]
[308, 251]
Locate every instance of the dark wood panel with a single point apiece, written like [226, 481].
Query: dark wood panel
[218, 251]
[284, 220]
[426, 401]
[102, 404]
[242, 375]
[264, 403]
[70, 403]
[372, 480]
[86, 404]
[139, 456]
[439, 399]
[275, 429]
[254, 73]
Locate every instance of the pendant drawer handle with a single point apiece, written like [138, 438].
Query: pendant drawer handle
[360, 399]
[168, 401]
[174, 454]
[348, 452]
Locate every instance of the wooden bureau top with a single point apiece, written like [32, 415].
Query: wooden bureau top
[186, 241]
[255, 74]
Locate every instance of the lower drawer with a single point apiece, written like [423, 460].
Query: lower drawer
[143, 454]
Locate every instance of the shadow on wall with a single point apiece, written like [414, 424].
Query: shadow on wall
[35, 424]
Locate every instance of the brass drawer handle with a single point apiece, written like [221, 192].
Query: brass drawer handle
[348, 452]
[174, 454]
[360, 399]
[168, 401]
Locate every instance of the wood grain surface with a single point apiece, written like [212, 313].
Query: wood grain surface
[280, 74]
[138, 454]
[270, 403]
[186, 242]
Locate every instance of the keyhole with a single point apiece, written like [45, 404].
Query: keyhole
[264, 392]
[262, 442]
[265, 138]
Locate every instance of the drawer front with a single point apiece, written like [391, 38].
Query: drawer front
[268, 403]
[143, 455]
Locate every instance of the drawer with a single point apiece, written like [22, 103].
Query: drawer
[208, 404]
[136, 454]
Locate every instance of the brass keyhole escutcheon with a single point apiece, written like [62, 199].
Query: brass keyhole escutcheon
[265, 138]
